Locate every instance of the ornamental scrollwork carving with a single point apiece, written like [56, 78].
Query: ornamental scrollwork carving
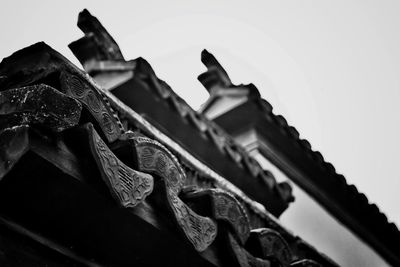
[128, 186]
[154, 158]
[200, 231]
[224, 207]
[94, 101]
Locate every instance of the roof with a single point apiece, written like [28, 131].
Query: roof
[310, 171]
[93, 181]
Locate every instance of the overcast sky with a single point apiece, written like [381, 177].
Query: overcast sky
[330, 68]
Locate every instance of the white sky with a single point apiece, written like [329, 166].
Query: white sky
[330, 67]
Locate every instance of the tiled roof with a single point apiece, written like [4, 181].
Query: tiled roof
[126, 189]
[352, 207]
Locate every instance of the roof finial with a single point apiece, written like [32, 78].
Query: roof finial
[215, 76]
